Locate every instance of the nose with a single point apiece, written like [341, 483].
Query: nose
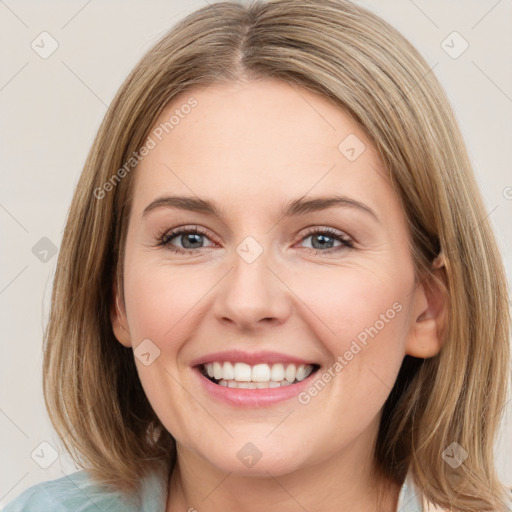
[252, 295]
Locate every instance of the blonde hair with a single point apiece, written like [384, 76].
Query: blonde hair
[352, 57]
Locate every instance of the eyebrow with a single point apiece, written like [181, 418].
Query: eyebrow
[293, 208]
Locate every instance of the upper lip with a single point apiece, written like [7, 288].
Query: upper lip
[251, 358]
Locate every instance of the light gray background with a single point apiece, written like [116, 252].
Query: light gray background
[50, 110]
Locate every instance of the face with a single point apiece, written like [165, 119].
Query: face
[301, 311]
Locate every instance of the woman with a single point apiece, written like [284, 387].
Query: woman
[338, 339]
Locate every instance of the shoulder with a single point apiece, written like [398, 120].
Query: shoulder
[411, 499]
[74, 492]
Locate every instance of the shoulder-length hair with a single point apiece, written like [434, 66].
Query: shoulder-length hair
[352, 57]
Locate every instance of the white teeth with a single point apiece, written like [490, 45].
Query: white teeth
[242, 372]
[217, 370]
[228, 372]
[253, 385]
[277, 372]
[258, 376]
[246, 385]
[289, 373]
[303, 371]
[260, 373]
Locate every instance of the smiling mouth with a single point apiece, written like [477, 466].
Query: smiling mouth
[259, 376]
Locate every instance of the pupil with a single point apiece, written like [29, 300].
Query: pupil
[186, 238]
[323, 237]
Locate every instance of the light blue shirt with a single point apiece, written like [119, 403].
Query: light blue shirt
[77, 493]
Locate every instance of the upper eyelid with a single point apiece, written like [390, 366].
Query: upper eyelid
[172, 233]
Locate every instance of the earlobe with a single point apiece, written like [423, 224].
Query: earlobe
[118, 320]
[425, 337]
[439, 261]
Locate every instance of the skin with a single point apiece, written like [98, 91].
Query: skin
[251, 147]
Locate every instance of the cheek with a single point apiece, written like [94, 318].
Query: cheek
[362, 319]
[161, 300]
[346, 301]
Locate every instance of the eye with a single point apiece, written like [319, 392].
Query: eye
[190, 238]
[322, 240]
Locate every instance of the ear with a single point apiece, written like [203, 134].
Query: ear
[425, 337]
[118, 318]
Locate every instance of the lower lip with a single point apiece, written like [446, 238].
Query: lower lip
[241, 397]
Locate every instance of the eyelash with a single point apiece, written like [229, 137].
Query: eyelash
[347, 242]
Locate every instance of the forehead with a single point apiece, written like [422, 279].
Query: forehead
[257, 140]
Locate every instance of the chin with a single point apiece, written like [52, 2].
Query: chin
[258, 458]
